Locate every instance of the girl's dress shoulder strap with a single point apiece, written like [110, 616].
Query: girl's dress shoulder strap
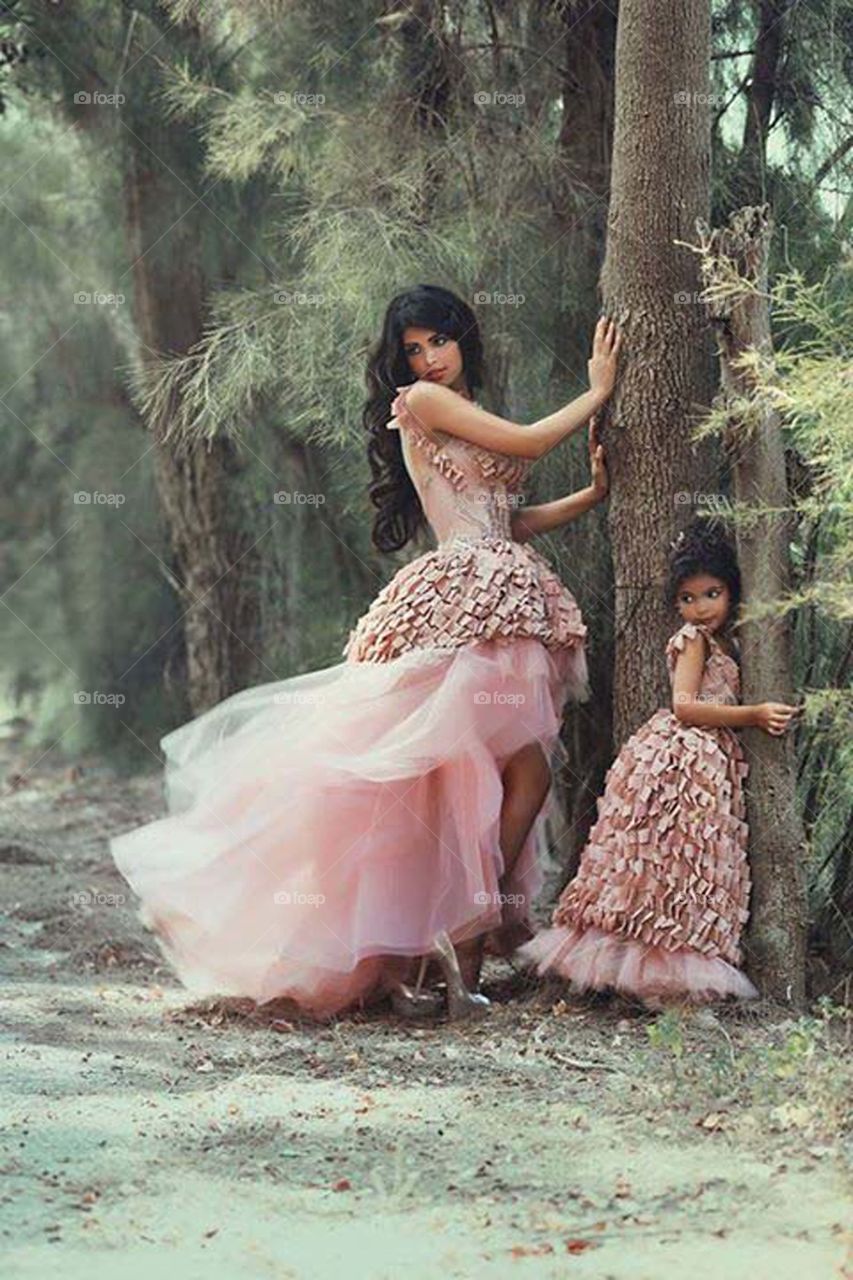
[675, 644]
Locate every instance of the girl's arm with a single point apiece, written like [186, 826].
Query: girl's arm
[528, 522]
[772, 717]
[438, 408]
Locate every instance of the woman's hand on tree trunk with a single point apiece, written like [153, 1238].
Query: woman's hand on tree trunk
[601, 367]
[597, 461]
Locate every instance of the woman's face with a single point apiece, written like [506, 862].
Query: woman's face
[704, 598]
[435, 357]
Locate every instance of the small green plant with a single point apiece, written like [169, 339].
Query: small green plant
[666, 1034]
[796, 1050]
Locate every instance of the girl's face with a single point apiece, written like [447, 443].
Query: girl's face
[435, 357]
[704, 598]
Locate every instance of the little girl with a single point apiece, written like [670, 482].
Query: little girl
[660, 898]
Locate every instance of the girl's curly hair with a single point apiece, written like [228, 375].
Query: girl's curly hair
[703, 547]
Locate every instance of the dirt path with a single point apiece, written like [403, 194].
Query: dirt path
[144, 1135]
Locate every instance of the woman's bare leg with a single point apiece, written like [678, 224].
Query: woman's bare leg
[526, 778]
[527, 781]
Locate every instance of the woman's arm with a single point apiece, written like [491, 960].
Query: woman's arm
[772, 717]
[438, 408]
[529, 521]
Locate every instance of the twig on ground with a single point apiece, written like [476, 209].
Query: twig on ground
[576, 1062]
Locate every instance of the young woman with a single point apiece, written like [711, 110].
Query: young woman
[328, 833]
[661, 895]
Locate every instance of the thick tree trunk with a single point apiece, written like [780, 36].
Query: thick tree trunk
[660, 186]
[776, 938]
[213, 560]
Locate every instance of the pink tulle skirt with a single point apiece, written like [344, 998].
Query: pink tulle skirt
[592, 959]
[321, 827]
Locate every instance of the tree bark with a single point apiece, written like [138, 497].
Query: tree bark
[775, 943]
[213, 559]
[660, 186]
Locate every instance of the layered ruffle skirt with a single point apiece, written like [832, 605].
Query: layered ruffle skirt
[321, 828]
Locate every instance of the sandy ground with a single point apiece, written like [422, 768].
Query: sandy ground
[147, 1134]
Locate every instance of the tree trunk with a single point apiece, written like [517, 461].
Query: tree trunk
[213, 559]
[426, 87]
[838, 916]
[747, 184]
[164, 223]
[660, 186]
[776, 938]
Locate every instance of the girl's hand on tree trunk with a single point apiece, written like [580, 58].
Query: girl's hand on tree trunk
[597, 461]
[774, 717]
[601, 367]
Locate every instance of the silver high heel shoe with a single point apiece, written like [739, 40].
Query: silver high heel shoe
[461, 1003]
[412, 1002]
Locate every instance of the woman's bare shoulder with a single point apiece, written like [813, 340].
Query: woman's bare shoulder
[441, 409]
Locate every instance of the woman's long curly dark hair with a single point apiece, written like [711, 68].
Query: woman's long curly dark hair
[399, 514]
[704, 547]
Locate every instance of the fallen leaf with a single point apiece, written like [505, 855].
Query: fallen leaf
[793, 1115]
[580, 1246]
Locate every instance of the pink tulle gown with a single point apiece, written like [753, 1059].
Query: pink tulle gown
[661, 894]
[321, 827]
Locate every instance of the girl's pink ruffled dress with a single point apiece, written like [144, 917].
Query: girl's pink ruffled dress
[322, 826]
[660, 898]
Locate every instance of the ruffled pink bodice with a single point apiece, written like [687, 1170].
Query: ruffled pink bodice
[479, 583]
[721, 676]
[465, 491]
